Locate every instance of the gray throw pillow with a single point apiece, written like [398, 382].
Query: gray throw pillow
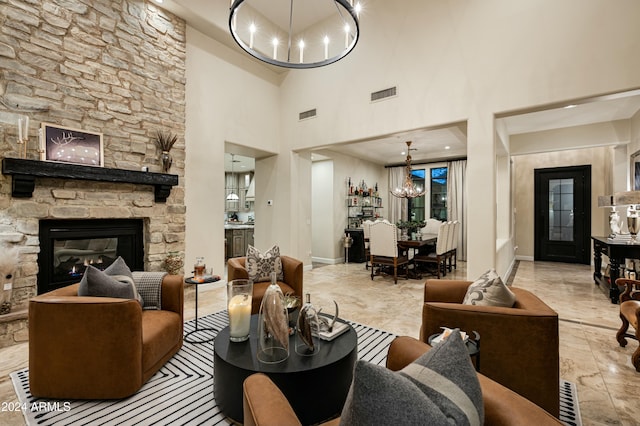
[120, 268]
[489, 290]
[439, 388]
[261, 265]
[115, 281]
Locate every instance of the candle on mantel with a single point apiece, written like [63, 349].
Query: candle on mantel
[239, 315]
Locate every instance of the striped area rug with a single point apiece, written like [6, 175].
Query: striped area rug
[181, 393]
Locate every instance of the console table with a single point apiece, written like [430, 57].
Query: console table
[617, 251]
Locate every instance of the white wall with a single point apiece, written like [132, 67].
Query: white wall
[451, 61]
[332, 211]
[221, 100]
[322, 212]
[524, 166]
[457, 60]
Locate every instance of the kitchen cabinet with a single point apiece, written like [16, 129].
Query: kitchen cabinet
[239, 184]
[238, 240]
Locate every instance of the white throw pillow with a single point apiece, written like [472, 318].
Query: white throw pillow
[489, 290]
[260, 265]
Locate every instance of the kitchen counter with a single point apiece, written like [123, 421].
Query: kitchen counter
[238, 226]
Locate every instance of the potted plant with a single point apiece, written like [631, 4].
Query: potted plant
[165, 141]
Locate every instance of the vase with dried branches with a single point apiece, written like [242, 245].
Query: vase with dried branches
[165, 141]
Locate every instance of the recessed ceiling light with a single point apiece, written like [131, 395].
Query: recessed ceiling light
[570, 106]
[447, 147]
[159, 1]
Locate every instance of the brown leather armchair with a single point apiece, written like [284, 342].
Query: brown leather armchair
[519, 346]
[265, 405]
[292, 282]
[100, 347]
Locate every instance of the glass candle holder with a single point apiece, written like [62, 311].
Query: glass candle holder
[239, 295]
[199, 267]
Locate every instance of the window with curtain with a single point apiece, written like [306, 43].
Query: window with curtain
[439, 193]
[416, 205]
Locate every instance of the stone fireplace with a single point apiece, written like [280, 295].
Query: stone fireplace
[116, 68]
[67, 247]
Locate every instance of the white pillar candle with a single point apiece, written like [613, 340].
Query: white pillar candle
[20, 129]
[239, 315]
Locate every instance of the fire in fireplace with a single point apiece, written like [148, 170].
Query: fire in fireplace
[67, 247]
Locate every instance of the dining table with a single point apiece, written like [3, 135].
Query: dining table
[413, 245]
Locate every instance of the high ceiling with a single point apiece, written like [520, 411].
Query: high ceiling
[432, 144]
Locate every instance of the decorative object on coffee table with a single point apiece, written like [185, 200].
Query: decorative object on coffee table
[273, 326]
[165, 141]
[8, 266]
[307, 340]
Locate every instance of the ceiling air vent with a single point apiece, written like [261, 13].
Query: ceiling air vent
[307, 114]
[383, 94]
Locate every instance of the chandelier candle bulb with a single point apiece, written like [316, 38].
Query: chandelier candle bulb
[326, 47]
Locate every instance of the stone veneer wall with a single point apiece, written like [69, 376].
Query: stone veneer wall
[115, 67]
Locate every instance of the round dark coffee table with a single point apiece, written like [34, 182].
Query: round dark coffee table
[315, 386]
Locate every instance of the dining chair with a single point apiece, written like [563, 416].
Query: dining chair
[366, 226]
[439, 255]
[452, 244]
[383, 247]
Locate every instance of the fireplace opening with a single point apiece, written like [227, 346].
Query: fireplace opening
[67, 247]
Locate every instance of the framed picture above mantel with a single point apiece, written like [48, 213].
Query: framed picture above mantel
[68, 145]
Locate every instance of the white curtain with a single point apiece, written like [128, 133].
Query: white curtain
[456, 201]
[397, 206]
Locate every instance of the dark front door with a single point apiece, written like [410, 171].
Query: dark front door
[563, 214]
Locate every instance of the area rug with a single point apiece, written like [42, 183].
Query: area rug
[181, 393]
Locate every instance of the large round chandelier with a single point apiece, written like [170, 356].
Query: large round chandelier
[295, 34]
[408, 189]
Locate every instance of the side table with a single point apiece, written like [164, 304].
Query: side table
[473, 347]
[197, 281]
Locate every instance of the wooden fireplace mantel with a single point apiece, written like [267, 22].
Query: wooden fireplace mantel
[24, 173]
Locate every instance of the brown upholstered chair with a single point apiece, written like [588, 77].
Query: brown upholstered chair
[100, 347]
[519, 345]
[292, 282]
[630, 314]
[264, 403]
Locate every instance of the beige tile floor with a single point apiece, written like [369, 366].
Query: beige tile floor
[608, 385]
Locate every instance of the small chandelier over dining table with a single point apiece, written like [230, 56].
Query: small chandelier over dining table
[408, 190]
[295, 34]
